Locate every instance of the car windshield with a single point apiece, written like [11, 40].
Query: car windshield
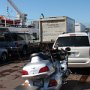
[72, 41]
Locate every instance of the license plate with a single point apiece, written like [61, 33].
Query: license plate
[38, 82]
[74, 54]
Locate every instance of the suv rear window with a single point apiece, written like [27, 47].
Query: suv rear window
[72, 41]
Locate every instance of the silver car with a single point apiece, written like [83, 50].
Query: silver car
[80, 48]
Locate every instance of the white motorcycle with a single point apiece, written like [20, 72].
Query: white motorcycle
[45, 73]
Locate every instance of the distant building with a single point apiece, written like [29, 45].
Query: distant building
[79, 27]
[35, 27]
[35, 24]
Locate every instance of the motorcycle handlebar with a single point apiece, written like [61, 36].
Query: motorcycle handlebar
[60, 54]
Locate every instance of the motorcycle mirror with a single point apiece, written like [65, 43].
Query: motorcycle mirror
[68, 49]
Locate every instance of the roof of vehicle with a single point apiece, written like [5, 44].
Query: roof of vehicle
[73, 34]
[16, 33]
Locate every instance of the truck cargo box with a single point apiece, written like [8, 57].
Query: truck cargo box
[51, 27]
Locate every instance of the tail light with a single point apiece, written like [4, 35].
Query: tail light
[24, 72]
[44, 69]
[52, 83]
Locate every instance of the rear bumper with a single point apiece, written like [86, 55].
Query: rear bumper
[79, 63]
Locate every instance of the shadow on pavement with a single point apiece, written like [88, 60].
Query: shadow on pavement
[82, 71]
[15, 60]
[76, 85]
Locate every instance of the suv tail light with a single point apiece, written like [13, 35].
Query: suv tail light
[52, 83]
[24, 72]
[44, 69]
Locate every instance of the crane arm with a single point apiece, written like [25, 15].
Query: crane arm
[14, 6]
[22, 16]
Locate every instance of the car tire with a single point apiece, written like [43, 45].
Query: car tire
[24, 51]
[4, 57]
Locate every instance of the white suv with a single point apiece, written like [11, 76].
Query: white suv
[80, 48]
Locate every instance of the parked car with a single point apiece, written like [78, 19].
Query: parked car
[15, 43]
[80, 48]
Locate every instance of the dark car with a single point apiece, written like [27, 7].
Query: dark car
[15, 43]
[3, 54]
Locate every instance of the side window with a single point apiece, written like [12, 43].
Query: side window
[20, 37]
[35, 36]
[14, 37]
[8, 37]
[28, 37]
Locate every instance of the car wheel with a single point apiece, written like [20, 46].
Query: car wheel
[24, 51]
[3, 57]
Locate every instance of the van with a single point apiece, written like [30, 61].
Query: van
[80, 48]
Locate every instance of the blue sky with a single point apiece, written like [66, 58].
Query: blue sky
[76, 9]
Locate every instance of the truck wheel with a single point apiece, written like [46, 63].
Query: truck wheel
[3, 57]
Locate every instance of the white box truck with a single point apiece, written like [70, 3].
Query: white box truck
[51, 27]
[79, 27]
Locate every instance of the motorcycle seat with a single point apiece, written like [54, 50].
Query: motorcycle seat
[41, 55]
